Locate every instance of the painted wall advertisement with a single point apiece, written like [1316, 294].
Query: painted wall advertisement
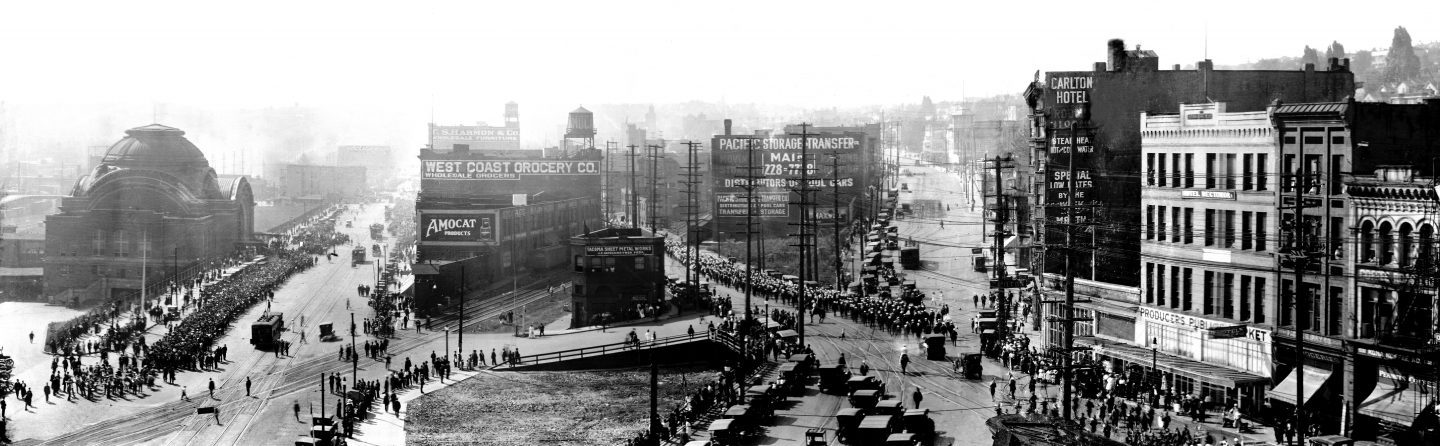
[1070, 141]
[477, 170]
[778, 166]
[478, 138]
[619, 250]
[446, 227]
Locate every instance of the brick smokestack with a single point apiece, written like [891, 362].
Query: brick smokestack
[1115, 54]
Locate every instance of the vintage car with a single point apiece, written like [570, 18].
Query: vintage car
[864, 399]
[833, 379]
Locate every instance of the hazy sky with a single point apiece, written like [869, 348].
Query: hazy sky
[472, 56]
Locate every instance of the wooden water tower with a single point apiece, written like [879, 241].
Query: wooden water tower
[580, 132]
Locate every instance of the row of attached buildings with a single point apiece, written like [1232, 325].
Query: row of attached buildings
[1214, 166]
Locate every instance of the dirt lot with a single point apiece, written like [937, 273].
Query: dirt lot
[552, 408]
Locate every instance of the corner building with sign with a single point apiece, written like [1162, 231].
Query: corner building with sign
[619, 275]
[1207, 276]
[501, 215]
[1111, 97]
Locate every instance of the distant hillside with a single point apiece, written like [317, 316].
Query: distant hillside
[1369, 66]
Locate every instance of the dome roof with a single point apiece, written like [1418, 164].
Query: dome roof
[154, 146]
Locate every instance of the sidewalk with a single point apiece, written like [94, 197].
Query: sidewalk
[385, 428]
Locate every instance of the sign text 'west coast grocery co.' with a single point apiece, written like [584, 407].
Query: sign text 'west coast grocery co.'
[503, 169]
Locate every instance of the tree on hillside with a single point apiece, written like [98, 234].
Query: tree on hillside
[1336, 50]
[1311, 57]
[1401, 64]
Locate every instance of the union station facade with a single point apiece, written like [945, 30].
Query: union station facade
[152, 206]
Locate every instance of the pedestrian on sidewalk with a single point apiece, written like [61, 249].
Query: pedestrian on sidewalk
[247, 386]
[297, 410]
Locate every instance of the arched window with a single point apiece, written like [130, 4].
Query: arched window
[1426, 257]
[1387, 244]
[1367, 242]
[1407, 249]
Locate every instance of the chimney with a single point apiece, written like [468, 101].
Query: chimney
[1332, 64]
[1177, 67]
[1115, 54]
[1309, 67]
[727, 127]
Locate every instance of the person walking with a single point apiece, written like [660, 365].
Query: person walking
[212, 388]
[247, 386]
[183, 396]
[917, 396]
[297, 410]
[992, 390]
[904, 362]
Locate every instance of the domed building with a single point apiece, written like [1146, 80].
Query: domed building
[152, 206]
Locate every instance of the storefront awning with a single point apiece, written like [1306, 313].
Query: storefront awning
[1394, 402]
[1199, 371]
[1315, 378]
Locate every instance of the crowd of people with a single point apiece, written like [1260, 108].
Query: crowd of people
[894, 315]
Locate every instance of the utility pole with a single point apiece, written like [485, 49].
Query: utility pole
[749, 186]
[634, 206]
[654, 183]
[460, 330]
[692, 217]
[609, 181]
[835, 218]
[805, 206]
[1299, 255]
[1002, 217]
[1068, 319]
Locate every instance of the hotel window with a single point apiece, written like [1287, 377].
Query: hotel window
[1247, 181]
[1150, 222]
[1210, 171]
[1175, 225]
[1186, 302]
[1189, 170]
[1260, 180]
[1209, 227]
[1245, 234]
[1162, 169]
[1244, 298]
[1189, 221]
[1259, 300]
[1208, 298]
[1174, 287]
[1149, 169]
[1229, 296]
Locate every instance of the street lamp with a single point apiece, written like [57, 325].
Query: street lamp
[1154, 358]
